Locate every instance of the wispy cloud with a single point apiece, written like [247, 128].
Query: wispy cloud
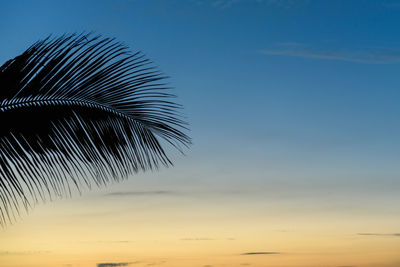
[261, 253]
[379, 234]
[116, 264]
[366, 56]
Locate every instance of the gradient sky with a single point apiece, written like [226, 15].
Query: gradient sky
[294, 113]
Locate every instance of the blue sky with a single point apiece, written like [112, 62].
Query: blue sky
[280, 84]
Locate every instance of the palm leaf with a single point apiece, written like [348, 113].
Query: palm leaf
[79, 110]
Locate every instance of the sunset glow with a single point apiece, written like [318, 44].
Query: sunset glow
[293, 109]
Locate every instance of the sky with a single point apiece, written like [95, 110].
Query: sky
[294, 116]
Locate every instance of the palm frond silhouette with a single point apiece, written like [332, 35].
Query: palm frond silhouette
[79, 110]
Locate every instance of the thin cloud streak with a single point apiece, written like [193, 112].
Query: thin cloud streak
[198, 239]
[369, 56]
[379, 234]
[261, 253]
[116, 264]
[178, 193]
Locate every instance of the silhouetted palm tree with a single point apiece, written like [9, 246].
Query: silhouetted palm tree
[76, 110]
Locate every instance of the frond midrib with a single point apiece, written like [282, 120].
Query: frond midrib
[24, 102]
